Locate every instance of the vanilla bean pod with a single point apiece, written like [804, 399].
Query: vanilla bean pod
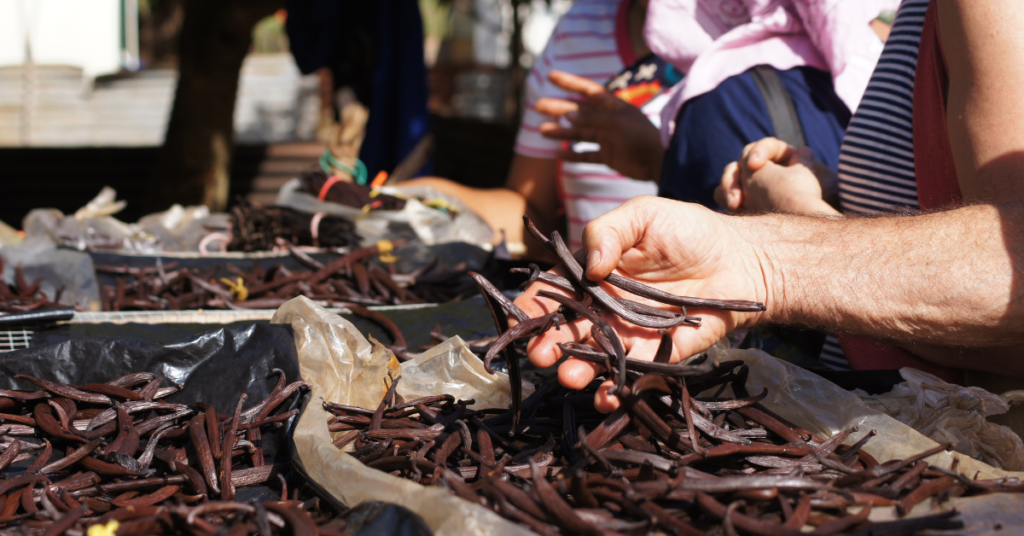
[99, 479]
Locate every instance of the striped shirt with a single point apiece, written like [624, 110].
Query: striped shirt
[591, 40]
[876, 161]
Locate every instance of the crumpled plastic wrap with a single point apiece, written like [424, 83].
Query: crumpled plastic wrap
[94, 227]
[430, 226]
[451, 368]
[824, 408]
[329, 350]
[947, 412]
[347, 368]
[8, 235]
[72, 270]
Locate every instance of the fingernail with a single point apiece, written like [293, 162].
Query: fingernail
[593, 259]
[754, 156]
[730, 197]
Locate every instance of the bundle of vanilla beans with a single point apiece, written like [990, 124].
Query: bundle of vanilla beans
[352, 278]
[255, 228]
[22, 296]
[676, 457]
[347, 193]
[120, 456]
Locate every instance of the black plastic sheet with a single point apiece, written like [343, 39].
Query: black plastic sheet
[215, 367]
[469, 319]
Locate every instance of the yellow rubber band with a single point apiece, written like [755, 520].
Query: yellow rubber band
[384, 249]
[110, 529]
[238, 290]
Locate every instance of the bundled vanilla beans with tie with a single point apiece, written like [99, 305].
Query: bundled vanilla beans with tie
[255, 228]
[119, 456]
[348, 193]
[677, 457]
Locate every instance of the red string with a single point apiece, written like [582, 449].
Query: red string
[327, 186]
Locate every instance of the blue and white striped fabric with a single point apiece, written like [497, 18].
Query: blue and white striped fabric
[876, 161]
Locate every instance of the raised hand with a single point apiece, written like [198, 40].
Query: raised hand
[629, 142]
[774, 176]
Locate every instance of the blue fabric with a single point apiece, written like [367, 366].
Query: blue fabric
[712, 129]
[398, 106]
[377, 49]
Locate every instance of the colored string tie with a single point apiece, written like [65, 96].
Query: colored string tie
[238, 290]
[384, 249]
[327, 186]
[442, 205]
[314, 227]
[329, 162]
[110, 529]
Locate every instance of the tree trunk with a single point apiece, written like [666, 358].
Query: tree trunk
[193, 165]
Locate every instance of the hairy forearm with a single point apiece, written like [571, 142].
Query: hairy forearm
[950, 278]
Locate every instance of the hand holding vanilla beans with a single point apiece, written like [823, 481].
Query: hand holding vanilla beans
[620, 321]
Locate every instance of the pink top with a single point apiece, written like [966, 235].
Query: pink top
[712, 40]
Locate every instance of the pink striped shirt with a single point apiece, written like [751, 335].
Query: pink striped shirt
[592, 41]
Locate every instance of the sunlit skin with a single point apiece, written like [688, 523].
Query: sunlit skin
[947, 279]
[981, 44]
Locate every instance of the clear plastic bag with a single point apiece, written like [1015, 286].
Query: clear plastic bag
[60, 268]
[824, 408]
[342, 366]
[430, 226]
[94, 227]
[947, 412]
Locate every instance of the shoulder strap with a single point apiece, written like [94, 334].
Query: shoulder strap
[781, 110]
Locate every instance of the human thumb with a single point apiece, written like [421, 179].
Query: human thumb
[608, 236]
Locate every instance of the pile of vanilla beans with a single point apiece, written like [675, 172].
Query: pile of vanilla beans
[352, 278]
[257, 228]
[72, 457]
[676, 457]
[22, 296]
[363, 197]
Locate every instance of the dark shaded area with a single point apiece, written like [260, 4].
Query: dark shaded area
[470, 152]
[468, 319]
[193, 166]
[380, 55]
[875, 382]
[67, 178]
[372, 518]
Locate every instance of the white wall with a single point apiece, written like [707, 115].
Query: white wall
[80, 33]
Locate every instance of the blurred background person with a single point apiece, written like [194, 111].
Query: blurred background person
[597, 47]
[751, 68]
[796, 69]
[935, 129]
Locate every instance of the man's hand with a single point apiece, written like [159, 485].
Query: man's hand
[681, 248]
[774, 176]
[630, 143]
